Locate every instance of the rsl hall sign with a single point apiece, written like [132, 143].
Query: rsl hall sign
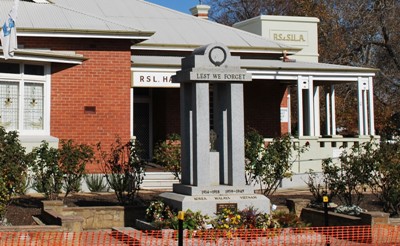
[154, 79]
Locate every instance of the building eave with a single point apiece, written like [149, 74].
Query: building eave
[234, 49]
[47, 56]
[77, 33]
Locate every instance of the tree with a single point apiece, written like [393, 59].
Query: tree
[356, 33]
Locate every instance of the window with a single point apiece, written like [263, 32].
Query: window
[24, 98]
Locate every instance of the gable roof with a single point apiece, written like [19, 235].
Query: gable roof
[172, 29]
[48, 19]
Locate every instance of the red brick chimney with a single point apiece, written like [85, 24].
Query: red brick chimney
[200, 11]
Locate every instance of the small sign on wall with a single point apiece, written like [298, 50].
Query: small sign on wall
[284, 115]
[230, 206]
[290, 37]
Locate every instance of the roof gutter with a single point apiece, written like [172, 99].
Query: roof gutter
[78, 33]
[47, 56]
[236, 49]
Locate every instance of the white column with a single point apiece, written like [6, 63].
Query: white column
[310, 119]
[300, 105]
[365, 108]
[333, 111]
[371, 106]
[317, 126]
[131, 112]
[289, 111]
[328, 112]
[360, 108]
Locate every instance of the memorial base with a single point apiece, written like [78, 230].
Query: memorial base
[210, 204]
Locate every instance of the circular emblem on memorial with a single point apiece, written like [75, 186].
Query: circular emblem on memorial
[217, 56]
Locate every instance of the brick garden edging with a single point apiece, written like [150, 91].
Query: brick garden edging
[89, 218]
[315, 217]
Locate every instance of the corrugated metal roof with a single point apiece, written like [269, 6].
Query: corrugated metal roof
[260, 65]
[301, 66]
[50, 16]
[172, 28]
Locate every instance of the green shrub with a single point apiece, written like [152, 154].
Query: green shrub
[95, 183]
[254, 147]
[13, 162]
[124, 169]
[167, 153]
[47, 176]
[13, 168]
[349, 178]
[318, 187]
[384, 180]
[72, 161]
[268, 165]
[55, 168]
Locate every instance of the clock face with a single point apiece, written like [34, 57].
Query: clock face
[217, 56]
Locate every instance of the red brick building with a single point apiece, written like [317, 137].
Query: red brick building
[91, 70]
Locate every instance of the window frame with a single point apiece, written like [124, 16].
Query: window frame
[23, 79]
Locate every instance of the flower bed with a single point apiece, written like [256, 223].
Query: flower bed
[161, 216]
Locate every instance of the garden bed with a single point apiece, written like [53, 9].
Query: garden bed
[22, 208]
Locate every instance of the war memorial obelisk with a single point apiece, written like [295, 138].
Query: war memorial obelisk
[213, 170]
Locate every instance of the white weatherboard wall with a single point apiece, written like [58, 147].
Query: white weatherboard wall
[294, 31]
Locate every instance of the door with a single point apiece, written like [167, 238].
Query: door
[142, 121]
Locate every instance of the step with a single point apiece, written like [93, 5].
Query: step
[159, 175]
[159, 181]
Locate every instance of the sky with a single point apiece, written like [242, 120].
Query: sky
[180, 5]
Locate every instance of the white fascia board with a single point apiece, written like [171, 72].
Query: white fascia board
[266, 77]
[82, 35]
[255, 51]
[54, 60]
[190, 49]
[318, 75]
[328, 73]
[161, 48]
[44, 59]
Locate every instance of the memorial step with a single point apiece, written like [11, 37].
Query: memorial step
[158, 181]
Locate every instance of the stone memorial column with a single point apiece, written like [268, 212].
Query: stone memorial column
[213, 173]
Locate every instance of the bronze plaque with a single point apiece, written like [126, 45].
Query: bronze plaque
[230, 206]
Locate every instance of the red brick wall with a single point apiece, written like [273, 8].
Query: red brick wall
[102, 81]
[262, 103]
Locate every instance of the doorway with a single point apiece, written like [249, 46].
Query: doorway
[142, 121]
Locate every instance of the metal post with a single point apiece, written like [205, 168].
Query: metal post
[325, 200]
[181, 217]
